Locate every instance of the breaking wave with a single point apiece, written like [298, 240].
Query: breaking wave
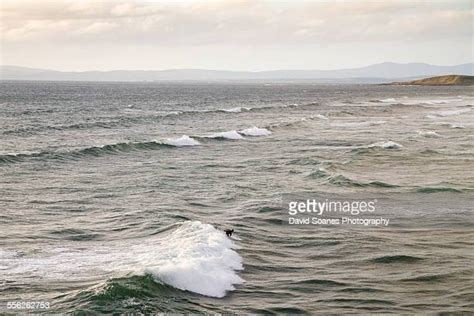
[240, 109]
[142, 117]
[385, 145]
[388, 100]
[195, 257]
[97, 151]
[449, 113]
[255, 131]
[233, 135]
[320, 116]
[430, 134]
[183, 141]
[236, 109]
[382, 145]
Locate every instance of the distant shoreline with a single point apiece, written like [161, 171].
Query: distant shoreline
[448, 80]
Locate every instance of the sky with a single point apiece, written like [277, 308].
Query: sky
[248, 35]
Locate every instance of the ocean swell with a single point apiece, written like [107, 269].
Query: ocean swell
[340, 180]
[110, 149]
[97, 151]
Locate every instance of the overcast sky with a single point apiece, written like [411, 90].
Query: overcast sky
[233, 34]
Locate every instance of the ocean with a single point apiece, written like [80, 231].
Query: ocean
[113, 198]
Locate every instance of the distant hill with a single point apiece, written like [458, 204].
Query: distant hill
[377, 73]
[449, 80]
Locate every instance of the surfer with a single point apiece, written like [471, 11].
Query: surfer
[228, 232]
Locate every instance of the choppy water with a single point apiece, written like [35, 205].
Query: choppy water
[107, 206]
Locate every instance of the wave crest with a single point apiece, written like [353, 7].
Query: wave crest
[386, 145]
[97, 151]
[396, 259]
[255, 131]
[226, 135]
[429, 134]
[340, 180]
[237, 109]
[183, 141]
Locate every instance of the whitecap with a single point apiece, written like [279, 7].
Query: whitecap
[6, 254]
[377, 122]
[173, 113]
[236, 109]
[432, 134]
[388, 100]
[451, 112]
[255, 131]
[429, 101]
[182, 141]
[227, 135]
[321, 117]
[386, 145]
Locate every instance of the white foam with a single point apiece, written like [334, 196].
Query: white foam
[226, 135]
[194, 257]
[200, 259]
[182, 141]
[173, 113]
[388, 100]
[451, 112]
[255, 131]
[429, 134]
[433, 102]
[6, 254]
[377, 122]
[236, 109]
[429, 101]
[386, 145]
[321, 117]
